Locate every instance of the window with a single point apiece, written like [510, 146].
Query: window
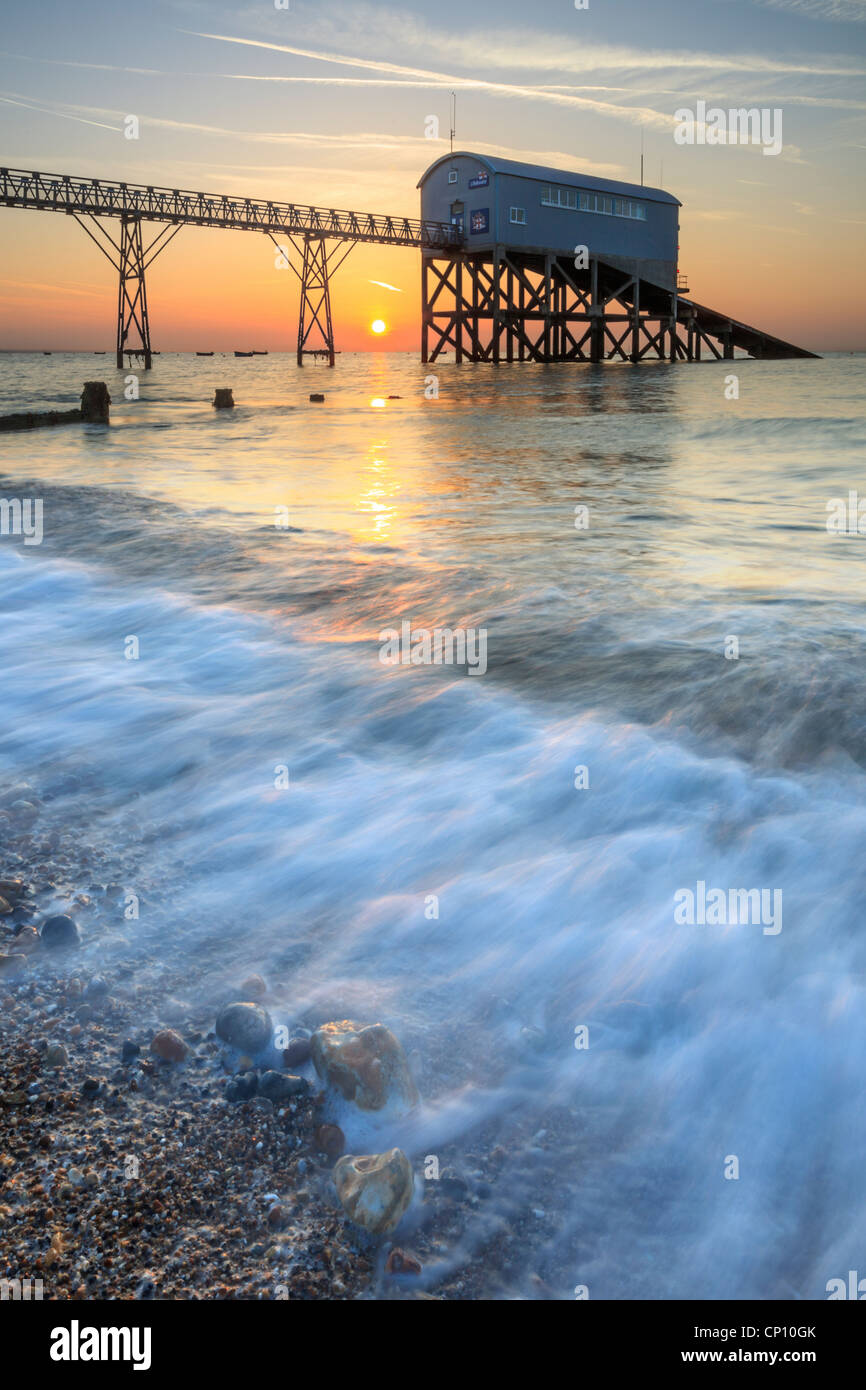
[559, 197]
[574, 198]
[517, 215]
[452, 175]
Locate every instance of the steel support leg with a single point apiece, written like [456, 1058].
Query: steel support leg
[132, 294]
[315, 310]
[596, 326]
[425, 310]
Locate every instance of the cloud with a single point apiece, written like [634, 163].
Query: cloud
[89, 291]
[637, 115]
[844, 11]
[376, 30]
[411, 151]
[47, 111]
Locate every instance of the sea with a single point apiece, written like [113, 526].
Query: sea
[606, 884]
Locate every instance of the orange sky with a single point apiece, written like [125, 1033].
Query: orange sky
[221, 290]
[330, 104]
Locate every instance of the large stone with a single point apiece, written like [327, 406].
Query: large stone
[375, 1189]
[60, 932]
[366, 1065]
[246, 1026]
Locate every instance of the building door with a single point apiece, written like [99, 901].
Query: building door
[457, 215]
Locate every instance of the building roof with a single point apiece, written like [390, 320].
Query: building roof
[547, 175]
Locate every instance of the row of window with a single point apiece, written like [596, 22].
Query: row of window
[573, 199]
[579, 200]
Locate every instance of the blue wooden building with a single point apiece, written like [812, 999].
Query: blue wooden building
[531, 208]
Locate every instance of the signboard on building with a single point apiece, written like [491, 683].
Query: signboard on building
[479, 220]
[481, 180]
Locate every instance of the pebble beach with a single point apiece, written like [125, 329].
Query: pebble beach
[150, 1160]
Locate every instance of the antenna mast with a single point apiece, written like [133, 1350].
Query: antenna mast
[641, 159]
[453, 118]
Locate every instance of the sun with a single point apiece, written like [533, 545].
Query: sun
[378, 326]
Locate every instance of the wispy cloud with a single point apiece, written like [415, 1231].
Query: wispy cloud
[375, 30]
[383, 284]
[641, 115]
[411, 150]
[49, 111]
[845, 11]
[88, 291]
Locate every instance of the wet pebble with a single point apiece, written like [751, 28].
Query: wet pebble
[276, 1085]
[242, 1087]
[245, 1026]
[330, 1140]
[297, 1052]
[169, 1046]
[402, 1262]
[60, 933]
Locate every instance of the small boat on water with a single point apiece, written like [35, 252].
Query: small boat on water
[204, 354]
[244, 354]
[260, 352]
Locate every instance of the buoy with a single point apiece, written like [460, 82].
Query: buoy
[317, 396]
[223, 400]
